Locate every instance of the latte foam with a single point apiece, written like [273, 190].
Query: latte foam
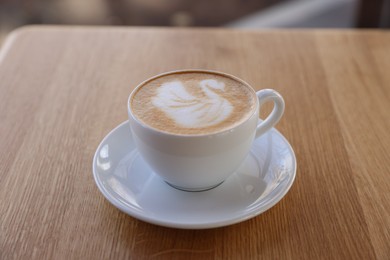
[193, 102]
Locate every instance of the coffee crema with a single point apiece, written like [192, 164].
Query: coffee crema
[193, 102]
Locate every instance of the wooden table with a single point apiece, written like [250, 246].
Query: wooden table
[62, 89]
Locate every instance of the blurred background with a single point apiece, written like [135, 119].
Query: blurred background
[244, 14]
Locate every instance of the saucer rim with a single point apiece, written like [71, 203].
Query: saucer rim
[257, 210]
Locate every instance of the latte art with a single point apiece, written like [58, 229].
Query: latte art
[193, 102]
[191, 111]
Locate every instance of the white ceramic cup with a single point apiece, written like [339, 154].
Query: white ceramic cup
[201, 162]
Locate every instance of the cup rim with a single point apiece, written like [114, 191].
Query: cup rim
[157, 131]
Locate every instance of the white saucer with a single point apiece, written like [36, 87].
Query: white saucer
[129, 184]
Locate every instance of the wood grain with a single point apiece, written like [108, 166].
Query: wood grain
[62, 89]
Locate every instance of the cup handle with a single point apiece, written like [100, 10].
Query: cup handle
[277, 112]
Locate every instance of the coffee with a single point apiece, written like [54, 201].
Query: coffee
[193, 102]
